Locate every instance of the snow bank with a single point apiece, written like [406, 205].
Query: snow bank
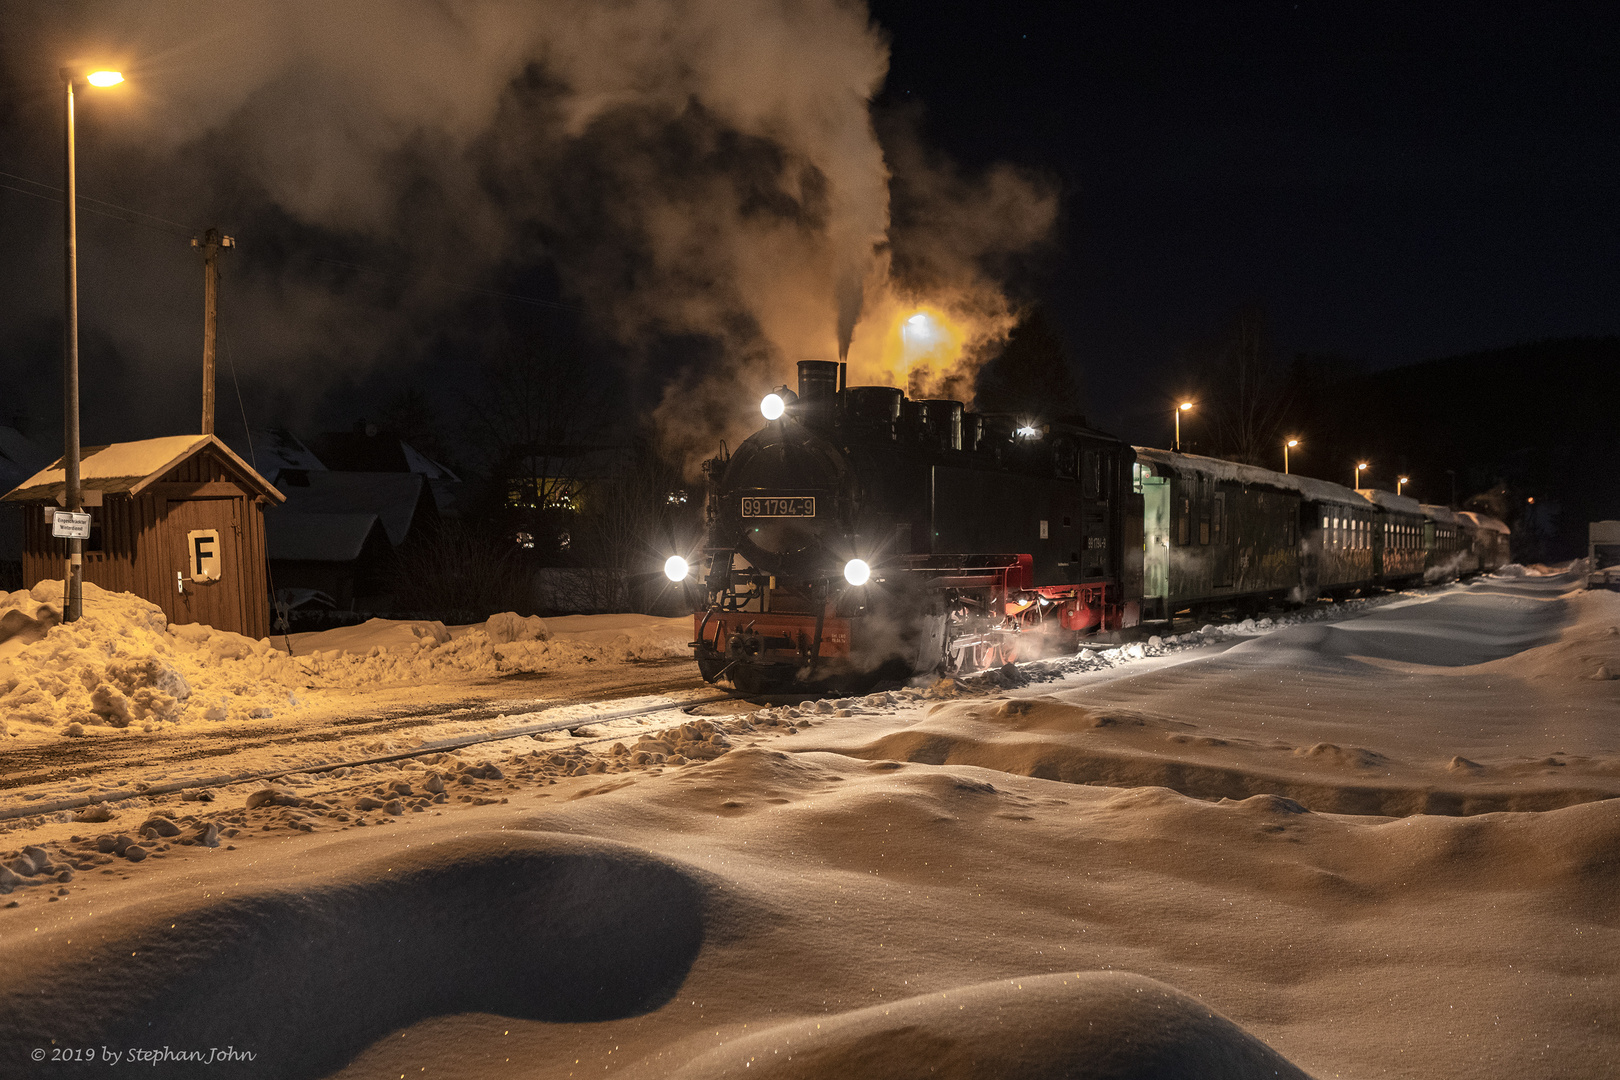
[385, 651]
[122, 665]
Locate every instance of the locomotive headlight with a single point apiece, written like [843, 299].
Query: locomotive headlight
[856, 572]
[772, 406]
[676, 568]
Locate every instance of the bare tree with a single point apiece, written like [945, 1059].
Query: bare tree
[1246, 391]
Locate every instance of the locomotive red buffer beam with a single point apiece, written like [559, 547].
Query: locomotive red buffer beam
[768, 638]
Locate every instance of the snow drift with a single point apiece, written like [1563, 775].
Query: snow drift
[122, 665]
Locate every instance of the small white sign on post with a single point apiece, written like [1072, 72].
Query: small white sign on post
[70, 526]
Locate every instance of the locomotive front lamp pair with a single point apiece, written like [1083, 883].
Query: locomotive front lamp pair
[856, 571]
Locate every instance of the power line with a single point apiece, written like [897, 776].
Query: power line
[169, 228]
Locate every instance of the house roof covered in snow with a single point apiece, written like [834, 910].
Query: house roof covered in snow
[1310, 488]
[370, 450]
[275, 449]
[297, 536]
[130, 468]
[394, 497]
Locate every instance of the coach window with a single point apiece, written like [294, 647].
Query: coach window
[1186, 521]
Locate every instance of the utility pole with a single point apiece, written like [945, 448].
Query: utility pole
[74, 599]
[209, 245]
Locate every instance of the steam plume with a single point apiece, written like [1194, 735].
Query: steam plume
[692, 169]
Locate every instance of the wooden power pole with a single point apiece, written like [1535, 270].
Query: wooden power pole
[209, 245]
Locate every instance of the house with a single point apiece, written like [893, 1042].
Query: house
[339, 532]
[368, 448]
[178, 521]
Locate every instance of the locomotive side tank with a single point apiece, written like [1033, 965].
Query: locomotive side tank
[861, 536]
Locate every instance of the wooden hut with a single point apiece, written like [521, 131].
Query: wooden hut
[178, 521]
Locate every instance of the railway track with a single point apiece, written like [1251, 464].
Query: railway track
[83, 761]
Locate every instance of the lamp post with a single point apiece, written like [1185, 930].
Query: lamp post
[1286, 445]
[70, 371]
[1400, 482]
[1183, 407]
[1356, 481]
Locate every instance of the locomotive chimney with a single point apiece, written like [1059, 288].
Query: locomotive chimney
[818, 390]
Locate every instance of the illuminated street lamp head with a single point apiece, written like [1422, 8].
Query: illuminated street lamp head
[104, 78]
[1185, 405]
[772, 407]
[1292, 443]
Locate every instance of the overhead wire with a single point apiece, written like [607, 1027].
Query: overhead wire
[166, 226]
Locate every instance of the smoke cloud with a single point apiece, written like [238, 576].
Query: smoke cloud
[692, 170]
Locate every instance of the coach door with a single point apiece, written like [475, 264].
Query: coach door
[1156, 538]
[1223, 537]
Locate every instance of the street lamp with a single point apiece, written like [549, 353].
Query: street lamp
[1356, 482]
[1183, 407]
[70, 375]
[1400, 482]
[1286, 445]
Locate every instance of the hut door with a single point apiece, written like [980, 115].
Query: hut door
[214, 596]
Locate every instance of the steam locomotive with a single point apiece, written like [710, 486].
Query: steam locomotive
[861, 536]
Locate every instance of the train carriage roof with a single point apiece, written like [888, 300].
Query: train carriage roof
[1441, 514]
[1400, 504]
[1215, 468]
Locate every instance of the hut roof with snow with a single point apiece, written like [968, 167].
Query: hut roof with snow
[132, 468]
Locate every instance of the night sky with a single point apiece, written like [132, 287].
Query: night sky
[1388, 182]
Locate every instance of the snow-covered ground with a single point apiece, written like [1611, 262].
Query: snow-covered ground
[122, 668]
[1383, 845]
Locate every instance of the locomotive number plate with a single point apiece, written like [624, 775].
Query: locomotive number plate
[803, 506]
